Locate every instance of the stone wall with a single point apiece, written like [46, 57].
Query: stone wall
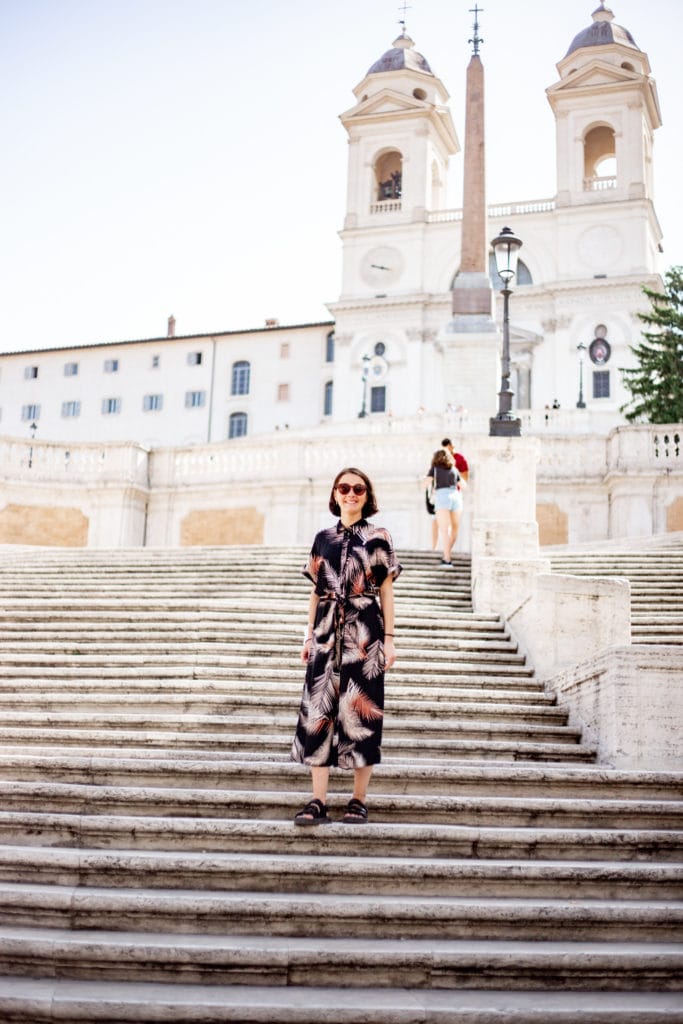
[275, 491]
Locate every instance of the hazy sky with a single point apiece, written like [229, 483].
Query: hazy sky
[186, 157]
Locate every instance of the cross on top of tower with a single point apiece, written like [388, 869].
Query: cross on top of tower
[403, 7]
[476, 39]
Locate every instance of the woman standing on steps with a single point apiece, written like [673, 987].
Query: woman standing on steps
[349, 642]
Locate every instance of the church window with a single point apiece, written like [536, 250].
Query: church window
[601, 384]
[240, 378]
[329, 347]
[329, 393]
[237, 425]
[380, 348]
[378, 399]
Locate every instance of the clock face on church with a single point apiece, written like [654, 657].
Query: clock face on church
[381, 266]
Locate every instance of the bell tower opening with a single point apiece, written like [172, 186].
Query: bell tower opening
[599, 159]
[388, 178]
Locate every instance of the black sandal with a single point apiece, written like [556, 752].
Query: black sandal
[356, 813]
[314, 813]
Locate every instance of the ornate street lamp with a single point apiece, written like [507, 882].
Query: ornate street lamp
[364, 378]
[32, 428]
[505, 248]
[581, 349]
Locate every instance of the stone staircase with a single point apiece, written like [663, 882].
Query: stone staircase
[656, 577]
[149, 867]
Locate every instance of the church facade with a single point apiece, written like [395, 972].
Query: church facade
[385, 352]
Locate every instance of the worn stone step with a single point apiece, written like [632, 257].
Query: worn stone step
[30, 1001]
[212, 728]
[208, 770]
[506, 811]
[253, 836]
[347, 916]
[421, 964]
[447, 710]
[462, 691]
[337, 875]
[130, 743]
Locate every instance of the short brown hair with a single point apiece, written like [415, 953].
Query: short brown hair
[370, 506]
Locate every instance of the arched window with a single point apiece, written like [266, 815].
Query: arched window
[238, 424]
[389, 177]
[327, 402]
[329, 347]
[599, 159]
[240, 378]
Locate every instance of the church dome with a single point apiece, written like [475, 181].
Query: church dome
[402, 55]
[602, 32]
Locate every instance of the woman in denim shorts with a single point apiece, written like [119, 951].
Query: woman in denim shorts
[447, 500]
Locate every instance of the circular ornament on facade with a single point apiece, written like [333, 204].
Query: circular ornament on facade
[600, 247]
[381, 265]
[599, 350]
[379, 368]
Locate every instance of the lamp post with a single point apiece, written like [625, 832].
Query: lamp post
[364, 378]
[506, 249]
[32, 428]
[581, 349]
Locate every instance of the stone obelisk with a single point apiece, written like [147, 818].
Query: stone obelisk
[471, 341]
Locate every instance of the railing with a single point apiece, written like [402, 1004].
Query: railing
[386, 206]
[499, 210]
[597, 184]
[33, 461]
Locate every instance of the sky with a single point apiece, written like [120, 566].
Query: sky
[186, 157]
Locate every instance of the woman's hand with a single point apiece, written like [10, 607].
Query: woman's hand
[389, 651]
[306, 651]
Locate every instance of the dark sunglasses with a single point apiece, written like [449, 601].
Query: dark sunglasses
[356, 488]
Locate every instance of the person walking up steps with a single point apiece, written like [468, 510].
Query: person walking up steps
[348, 644]
[446, 501]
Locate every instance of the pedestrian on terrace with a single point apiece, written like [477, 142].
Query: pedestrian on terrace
[444, 478]
[348, 644]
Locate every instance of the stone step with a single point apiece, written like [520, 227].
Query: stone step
[433, 964]
[275, 727]
[213, 770]
[379, 839]
[96, 691]
[343, 916]
[150, 645]
[29, 1001]
[130, 743]
[541, 812]
[363, 875]
[212, 704]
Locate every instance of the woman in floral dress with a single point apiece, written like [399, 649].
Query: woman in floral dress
[349, 642]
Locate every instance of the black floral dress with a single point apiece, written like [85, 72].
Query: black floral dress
[342, 708]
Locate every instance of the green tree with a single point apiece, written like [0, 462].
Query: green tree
[656, 384]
